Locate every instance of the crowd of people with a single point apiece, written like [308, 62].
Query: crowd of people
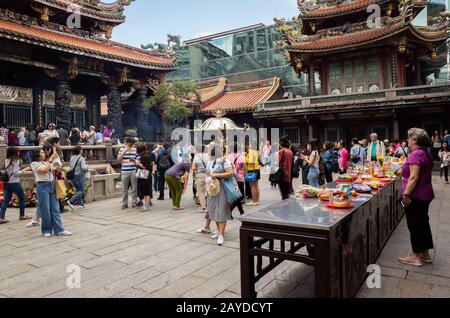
[224, 177]
[37, 136]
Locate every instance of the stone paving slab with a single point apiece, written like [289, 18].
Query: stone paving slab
[128, 253]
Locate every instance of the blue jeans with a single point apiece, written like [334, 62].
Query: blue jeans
[313, 177]
[51, 222]
[8, 190]
[78, 183]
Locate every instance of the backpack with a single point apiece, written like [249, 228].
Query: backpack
[333, 164]
[164, 162]
[4, 175]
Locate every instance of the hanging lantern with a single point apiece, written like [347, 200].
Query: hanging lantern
[434, 53]
[402, 46]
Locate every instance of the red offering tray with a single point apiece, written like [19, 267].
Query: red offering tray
[332, 206]
[344, 181]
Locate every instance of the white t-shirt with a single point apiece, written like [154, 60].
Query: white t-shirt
[12, 169]
[201, 161]
[21, 137]
[41, 177]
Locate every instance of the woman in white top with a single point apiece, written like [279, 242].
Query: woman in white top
[313, 162]
[12, 185]
[51, 222]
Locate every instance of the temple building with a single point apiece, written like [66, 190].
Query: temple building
[236, 101]
[365, 73]
[57, 60]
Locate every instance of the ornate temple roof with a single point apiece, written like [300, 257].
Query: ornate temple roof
[101, 49]
[325, 43]
[238, 97]
[111, 12]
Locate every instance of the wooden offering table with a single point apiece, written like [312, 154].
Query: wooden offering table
[341, 244]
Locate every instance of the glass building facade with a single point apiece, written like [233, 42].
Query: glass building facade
[242, 55]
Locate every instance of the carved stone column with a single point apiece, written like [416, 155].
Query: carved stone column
[63, 97]
[115, 108]
[141, 94]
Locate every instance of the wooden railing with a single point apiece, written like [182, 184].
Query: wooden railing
[397, 94]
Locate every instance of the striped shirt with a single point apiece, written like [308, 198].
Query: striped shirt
[127, 164]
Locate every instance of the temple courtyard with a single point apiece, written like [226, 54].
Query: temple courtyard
[158, 254]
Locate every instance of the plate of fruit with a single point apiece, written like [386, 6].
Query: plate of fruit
[340, 205]
[345, 179]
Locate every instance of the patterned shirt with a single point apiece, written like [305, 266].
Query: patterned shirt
[128, 163]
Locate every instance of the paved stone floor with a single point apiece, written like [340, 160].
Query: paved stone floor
[158, 254]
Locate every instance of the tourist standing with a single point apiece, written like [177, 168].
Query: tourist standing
[12, 185]
[64, 141]
[446, 137]
[4, 133]
[417, 196]
[30, 141]
[330, 161]
[146, 162]
[444, 156]
[219, 210]
[108, 133]
[237, 159]
[13, 139]
[285, 160]
[436, 140]
[267, 149]
[79, 167]
[49, 133]
[74, 137]
[21, 136]
[343, 157]
[313, 161]
[357, 153]
[252, 161]
[375, 149]
[164, 162]
[199, 174]
[402, 150]
[127, 156]
[46, 194]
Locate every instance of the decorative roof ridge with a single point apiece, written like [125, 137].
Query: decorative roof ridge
[251, 85]
[431, 33]
[393, 23]
[308, 11]
[219, 89]
[112, 12]
[209, 83]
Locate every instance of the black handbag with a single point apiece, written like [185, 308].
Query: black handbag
[71, 174]
[277, 176]
[4, 176]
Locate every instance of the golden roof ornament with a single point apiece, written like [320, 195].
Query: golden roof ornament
[44, 11]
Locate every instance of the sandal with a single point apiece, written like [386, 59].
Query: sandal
[3, 221]
[24, 218]
[203, 231]
[412, 260]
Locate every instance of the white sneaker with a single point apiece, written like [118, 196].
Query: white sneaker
[250, 204]
[70, 205]
[65, 233]
[220, 240]
[47, 235]
[215, 235]
[203, 231]
[33, 224]
[81, 207]
[144, 208]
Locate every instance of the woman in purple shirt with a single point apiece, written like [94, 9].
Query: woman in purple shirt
[417, 196]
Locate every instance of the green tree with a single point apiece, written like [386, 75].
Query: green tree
[175, 101]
